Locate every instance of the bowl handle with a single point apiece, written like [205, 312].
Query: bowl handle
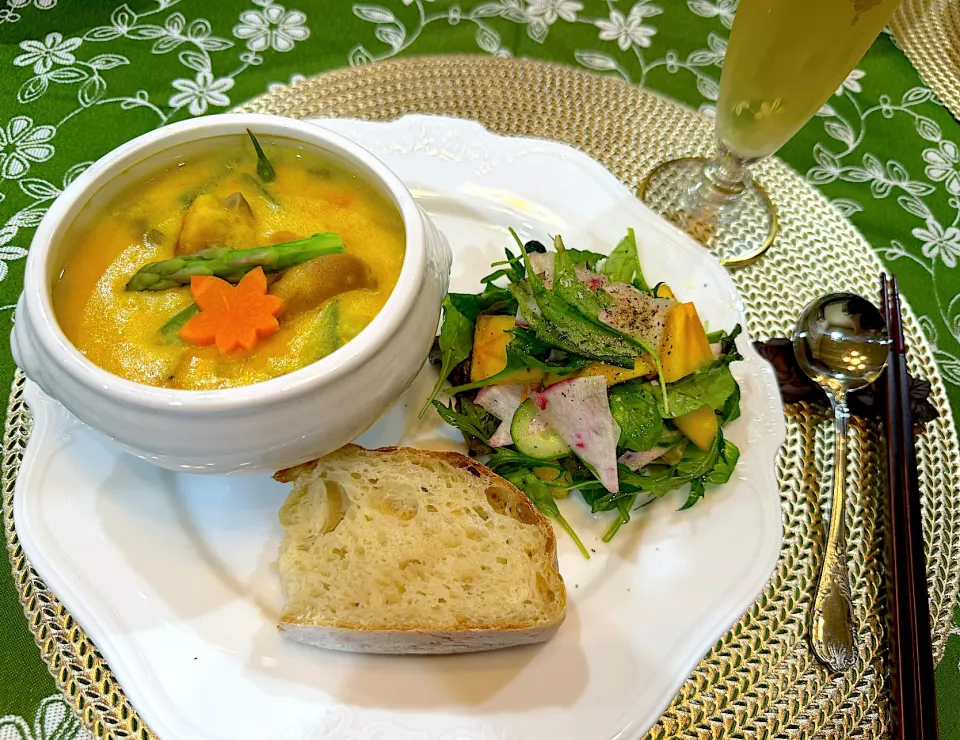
[24, 352]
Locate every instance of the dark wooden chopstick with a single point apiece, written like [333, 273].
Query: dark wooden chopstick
[913, 701]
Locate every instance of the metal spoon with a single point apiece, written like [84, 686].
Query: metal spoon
[841, 342]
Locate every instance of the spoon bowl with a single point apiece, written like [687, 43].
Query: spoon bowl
[841, 341]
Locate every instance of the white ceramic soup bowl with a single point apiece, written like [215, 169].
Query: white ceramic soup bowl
[265, 426]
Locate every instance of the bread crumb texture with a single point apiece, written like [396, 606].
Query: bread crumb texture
[404, 539]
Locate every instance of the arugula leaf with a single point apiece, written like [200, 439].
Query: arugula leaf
[489, 301]
[656, 484]
[514, 270]
[731, 408]
[726, 462]
[472, 420]
[697, 489]
[585, 257]
[569, 330]
[493, 300]
[623, 262]
[528, 347]
[506, 458]
[714, 337]
[669, 436]
[579, 473]
[623, 516]
[496, 300]
[696, 462]
[592, 342]
[265, 170]
[456, 342]
[696, 465]
[711, 385]
[568, 287]
[536, 490]
[515, 363]
[728, 346]
[636, 412]
[548, 334]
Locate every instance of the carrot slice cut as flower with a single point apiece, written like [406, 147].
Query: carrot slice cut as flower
[232, 317]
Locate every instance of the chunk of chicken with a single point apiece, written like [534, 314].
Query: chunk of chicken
[312, 283]
[211, 222]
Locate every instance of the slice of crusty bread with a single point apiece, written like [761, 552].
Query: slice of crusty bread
[400, 550]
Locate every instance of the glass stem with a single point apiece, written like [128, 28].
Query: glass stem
[716, 197]
[727, 174]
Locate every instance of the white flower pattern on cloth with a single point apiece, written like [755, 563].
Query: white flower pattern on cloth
[274, 27]
[548, 11]
[38, 4]
[198, 93]
[721, 9]
[44, 54]
[53, 721]
[942, 165]
[9, 252]
[852, 82]
[939, 242]
[7, 14]
[294, 79]
[22, 143]
[629, 30]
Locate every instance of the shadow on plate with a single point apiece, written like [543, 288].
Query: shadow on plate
[509, 680]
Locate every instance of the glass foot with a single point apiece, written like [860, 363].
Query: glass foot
[736, 232]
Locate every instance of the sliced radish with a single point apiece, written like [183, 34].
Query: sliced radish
[502, 437]
[636, 314]
[637, 460]
[500, 400]
[521, 322]
[593, 280]
[578, 410]
[543, 265]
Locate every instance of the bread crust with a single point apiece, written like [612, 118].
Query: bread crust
[391, 639]
[416, 642]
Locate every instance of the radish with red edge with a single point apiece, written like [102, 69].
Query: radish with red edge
[579, 412]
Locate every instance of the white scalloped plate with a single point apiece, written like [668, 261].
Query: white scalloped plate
[171, 575]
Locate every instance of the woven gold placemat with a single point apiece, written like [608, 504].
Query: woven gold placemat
[928, 31]
[760, 680]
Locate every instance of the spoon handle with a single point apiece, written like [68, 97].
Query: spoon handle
[832, 632]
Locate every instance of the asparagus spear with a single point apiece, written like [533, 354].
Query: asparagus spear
[233, 264]
[170, 330]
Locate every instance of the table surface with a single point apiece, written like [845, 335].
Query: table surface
[82, 79]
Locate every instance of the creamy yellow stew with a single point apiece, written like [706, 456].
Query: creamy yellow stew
[214, 200]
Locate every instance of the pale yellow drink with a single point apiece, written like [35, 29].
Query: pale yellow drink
[785, 58]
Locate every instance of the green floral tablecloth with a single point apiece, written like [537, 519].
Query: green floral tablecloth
[79, 78]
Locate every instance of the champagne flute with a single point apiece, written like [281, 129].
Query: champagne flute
[784, 60]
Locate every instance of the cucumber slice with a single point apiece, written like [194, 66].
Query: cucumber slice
[538, 443]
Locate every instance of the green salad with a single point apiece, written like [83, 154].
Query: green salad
[570, 373]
